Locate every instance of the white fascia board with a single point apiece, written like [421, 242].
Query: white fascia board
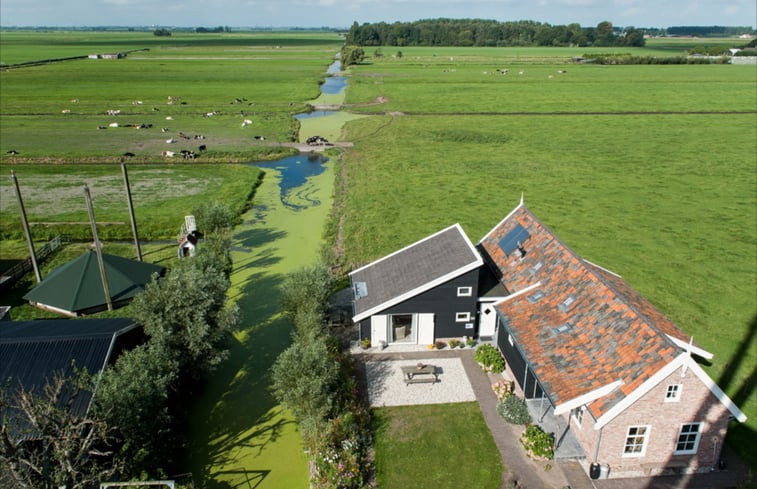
[500, 222]
[645, 387]
[518, 293]
[460, 229]
[602, 268]
[688, 346]
[716, 390]
[492, 300]
[418, 290]
[587, 398]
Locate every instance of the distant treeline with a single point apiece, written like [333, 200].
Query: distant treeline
[478, 32]
[708, 31]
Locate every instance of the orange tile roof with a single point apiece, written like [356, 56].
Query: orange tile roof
[608, 332]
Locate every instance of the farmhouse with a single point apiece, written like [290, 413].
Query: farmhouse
[581, 344]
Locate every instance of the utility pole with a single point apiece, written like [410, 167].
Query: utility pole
[98, 249]
[131, 211]
[27, 231]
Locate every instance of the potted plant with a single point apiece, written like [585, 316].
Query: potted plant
[365, 343]
[470, 342]
[453, 343]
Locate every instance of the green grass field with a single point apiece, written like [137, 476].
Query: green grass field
[162, 196]
[649, 171]
[265, 78]
[435, 446]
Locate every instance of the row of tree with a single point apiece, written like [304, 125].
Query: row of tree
[316, 381]
[134, 429]
[478, 32]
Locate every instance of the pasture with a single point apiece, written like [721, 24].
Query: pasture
[190, 84]
[649, 171]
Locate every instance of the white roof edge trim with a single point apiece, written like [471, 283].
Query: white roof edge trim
[418, 290]
[459, 228]
[716, 390]
[645, 387]
[587, 398]
[500, 222]
[492, 299]
[688, 346]
[601, 268]
[518, 293]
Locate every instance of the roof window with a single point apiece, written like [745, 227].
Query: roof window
[514, 239]
[360, 289]
[534, 298]
[564, 306]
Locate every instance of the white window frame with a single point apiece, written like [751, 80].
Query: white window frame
[673, 393]
[462, 317]
[696, 438]
[465, 291]
[578, 415]
[644, 439]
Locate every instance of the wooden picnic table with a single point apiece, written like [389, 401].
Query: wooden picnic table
[414, 374]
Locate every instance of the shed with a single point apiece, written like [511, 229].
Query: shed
[75, 289]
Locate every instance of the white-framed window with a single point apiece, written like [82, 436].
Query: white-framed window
[636, 441]
[462, 317]
[673, 394]
[688, 439]
[578, 415]
[464, 291]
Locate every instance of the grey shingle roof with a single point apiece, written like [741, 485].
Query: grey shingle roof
[414, 269]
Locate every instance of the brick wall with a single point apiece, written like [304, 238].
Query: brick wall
[696, 404]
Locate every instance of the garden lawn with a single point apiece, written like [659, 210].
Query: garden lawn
[240, 436]
[435, 446]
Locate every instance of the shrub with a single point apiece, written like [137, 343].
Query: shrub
[513, 409]
[453, 343]
[502, 389]
[489, 358]
[537, 442]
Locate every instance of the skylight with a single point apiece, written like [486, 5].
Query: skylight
[534, 298]
[514, 239]
[564, 306]
[361, 290]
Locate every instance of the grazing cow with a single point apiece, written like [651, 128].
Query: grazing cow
[316, 141]
[169, 118]
[101, 127]
[128, 154]
[170, 141]
[113, 124]
[562, 71]
[246, 122]
[259, 138]
[210, 114]
[188, 155]
[137, 102]
[168, 154]
[12, 152]
[165, 129]
[199, 136]
[202, 147]
[550, 76]
[74, 100]
[113, 111]
[155, 109]
[66, 111]
[520, 72]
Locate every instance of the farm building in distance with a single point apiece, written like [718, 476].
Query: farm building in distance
[75, 289]
[618, 378]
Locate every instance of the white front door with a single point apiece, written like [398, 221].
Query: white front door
[378, 329]
[425, 329]
[487, 319]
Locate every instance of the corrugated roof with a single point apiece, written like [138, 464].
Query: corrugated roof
[77, 286]
[588, 330]
[32, 351]
[414, 269]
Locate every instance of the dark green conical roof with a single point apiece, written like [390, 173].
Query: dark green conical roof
[76, 286]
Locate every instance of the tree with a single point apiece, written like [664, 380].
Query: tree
[161, 33]
[46, 445]
[185, 311]
[352, 55]
[212, 217]
[305, 289]
[133, 396]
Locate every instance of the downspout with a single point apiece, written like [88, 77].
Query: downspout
[597, 441]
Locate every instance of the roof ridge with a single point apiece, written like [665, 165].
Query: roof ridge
[87, 257]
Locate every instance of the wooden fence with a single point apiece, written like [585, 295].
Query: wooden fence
[14, 274]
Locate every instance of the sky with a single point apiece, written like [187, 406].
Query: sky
[342, 13]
